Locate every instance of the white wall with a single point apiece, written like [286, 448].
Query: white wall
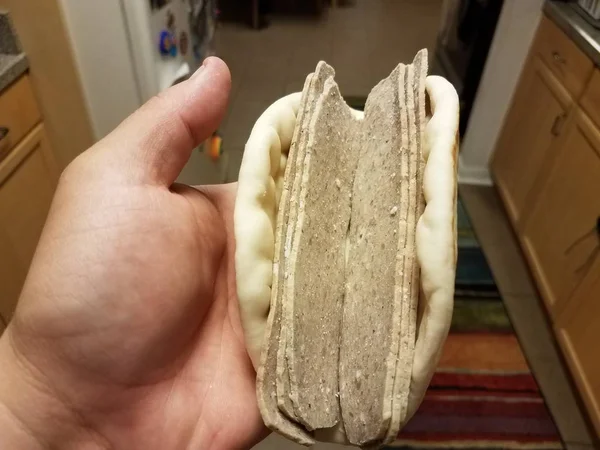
[101, 46]
[514, 35]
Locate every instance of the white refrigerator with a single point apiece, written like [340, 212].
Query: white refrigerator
[129, 50]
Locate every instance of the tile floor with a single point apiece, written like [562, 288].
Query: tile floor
[526, 312]
[363, 43]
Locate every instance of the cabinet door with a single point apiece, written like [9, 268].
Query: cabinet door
[563, 56]
[540, 106]
[579, 334]
[28, 177]
[561, 236]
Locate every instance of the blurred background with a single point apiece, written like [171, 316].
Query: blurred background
[520, 369]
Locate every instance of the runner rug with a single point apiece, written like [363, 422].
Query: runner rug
[483, 394]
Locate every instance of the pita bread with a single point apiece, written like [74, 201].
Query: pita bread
[287, 382]
[260, 217]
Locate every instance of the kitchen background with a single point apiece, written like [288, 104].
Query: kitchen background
[526, 73]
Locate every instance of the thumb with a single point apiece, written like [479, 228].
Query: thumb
[156, 141]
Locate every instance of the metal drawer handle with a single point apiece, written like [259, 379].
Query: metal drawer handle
[558, 58]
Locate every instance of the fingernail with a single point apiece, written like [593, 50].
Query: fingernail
[200, 69]
[197, 72]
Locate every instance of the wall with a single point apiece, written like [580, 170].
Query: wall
[41, 29]
[514, 35]
[101, 45]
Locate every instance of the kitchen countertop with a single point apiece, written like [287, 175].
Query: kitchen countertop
[13, 62]
[576, 27]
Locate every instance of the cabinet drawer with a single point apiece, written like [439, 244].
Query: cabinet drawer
[590, 102]
[572, 67]
[19, 113]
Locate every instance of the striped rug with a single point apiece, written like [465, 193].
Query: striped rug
[483, 394]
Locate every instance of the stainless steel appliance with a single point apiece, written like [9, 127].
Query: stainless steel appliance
[463, 44]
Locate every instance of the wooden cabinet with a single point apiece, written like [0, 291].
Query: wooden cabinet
[18, 113]
[553, 79]
[547, 170]
[590, 101]
[570, 65]
[579, 334]
[28, 177]
[538, 111]
[561, 233]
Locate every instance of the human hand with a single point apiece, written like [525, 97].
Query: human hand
[127, 333]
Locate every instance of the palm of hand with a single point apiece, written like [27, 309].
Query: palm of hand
[130, 314]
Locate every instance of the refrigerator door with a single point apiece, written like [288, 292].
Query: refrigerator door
[160, 42]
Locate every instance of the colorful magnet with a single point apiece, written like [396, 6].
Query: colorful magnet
[215, 147]
[168, 45]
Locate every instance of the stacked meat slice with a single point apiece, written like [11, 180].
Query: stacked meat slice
[341, 330]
